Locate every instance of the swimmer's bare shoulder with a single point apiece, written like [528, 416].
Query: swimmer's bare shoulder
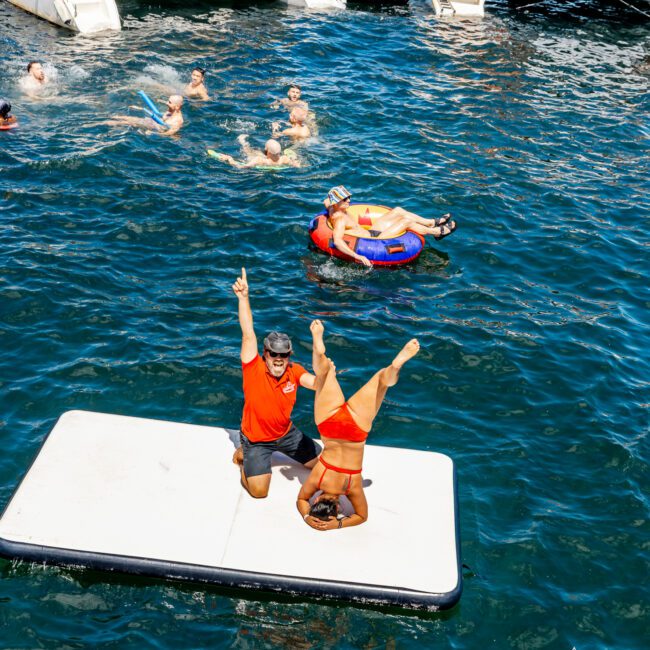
[342, 221]
[289, 161]
[199, 91]
[256, 160]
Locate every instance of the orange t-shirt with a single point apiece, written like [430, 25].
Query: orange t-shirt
[268, 401]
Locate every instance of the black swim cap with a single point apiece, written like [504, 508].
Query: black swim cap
[5, 108]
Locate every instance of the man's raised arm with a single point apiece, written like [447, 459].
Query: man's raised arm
[248, 338]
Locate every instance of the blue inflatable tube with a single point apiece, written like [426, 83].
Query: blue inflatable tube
[401, 249]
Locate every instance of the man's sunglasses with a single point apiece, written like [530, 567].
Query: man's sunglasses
[282, 355]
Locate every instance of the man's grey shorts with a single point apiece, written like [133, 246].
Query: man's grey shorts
[294, 443]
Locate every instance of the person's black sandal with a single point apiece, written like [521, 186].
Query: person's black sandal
[450, 227]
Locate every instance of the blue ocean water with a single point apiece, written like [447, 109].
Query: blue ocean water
[118, 251]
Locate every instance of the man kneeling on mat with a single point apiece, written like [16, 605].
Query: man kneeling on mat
[270, 386]
[344, 427]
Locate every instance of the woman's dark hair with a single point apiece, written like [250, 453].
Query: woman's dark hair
[5, 108]
[324, 509]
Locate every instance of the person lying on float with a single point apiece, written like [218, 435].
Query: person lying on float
[272, 156]
[391, 224]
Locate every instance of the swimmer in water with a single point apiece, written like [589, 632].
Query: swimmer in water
[6, 120]
[173, 118]
[388, 225]
[344, 426]
[272, 155]
[35, 79]
[196, 87]
[292, 100]
[298, 129]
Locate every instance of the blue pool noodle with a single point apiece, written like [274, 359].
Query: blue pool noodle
[149, 103]
[155, 118]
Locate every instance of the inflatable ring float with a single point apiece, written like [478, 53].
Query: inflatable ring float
[401, 249]
[9, 126]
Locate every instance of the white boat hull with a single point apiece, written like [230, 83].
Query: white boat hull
[318, 4]
[85, 16]
[458, 7]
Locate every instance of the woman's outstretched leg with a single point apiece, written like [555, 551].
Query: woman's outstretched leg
[329, 396]
[402, 216]
[366, 402]
[438, 232]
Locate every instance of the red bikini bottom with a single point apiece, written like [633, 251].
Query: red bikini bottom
[340, 470]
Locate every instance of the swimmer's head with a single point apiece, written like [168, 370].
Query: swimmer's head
[294, 92]
[272, 148]
[36, 70]
[198, 75]
[298, 115]
[325, 506]
[174, 102]
[337, 195]
[5, 109]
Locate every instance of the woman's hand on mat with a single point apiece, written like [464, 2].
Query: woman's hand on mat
[319, 524]
[364, 260]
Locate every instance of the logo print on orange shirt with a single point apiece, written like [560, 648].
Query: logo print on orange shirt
[289, 388]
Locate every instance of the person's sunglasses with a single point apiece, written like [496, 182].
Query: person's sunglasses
[282, 355]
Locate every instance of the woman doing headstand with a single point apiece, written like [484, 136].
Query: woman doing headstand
[344, 427]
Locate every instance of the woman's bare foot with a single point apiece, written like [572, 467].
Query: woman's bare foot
[238, 456]
[317, 328]
[390, 375]
[406, 353]
[319, 362]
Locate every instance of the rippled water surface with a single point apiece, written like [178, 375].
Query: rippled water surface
[118, 250]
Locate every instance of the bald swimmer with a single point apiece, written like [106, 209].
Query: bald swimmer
[298, 129]
[173, 119]
[272, 155]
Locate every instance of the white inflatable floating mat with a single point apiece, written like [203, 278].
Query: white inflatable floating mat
[164, 499]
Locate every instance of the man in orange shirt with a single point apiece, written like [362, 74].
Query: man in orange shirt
[270, 386]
